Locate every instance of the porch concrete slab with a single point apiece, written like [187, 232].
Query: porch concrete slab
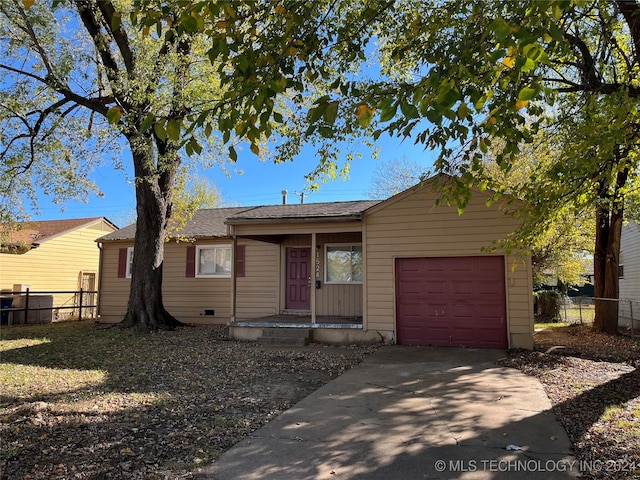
[411, 413]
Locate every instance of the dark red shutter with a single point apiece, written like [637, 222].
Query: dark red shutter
[191, 261]
[122, 263]
[240, 260]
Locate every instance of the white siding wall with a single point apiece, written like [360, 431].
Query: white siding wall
[630, 248]
[630, 283]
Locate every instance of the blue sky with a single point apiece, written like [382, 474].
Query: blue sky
[259, 184]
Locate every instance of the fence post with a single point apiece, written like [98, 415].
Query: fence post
[580, 308]
[80, 305]
[26, 307]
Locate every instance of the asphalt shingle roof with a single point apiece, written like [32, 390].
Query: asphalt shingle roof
[212, 222]
[304, 211]
[39, 231]
[208, 222]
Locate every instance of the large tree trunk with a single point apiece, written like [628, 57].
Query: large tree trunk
[609, 215]
[145, 310]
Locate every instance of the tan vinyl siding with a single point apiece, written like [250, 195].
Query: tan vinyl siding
[114, 291]
[337, 299]
[257, 291]
[290, 228]
[185, 298]
[412, 226]
[56, 264]
[188, 298]
[341, 300]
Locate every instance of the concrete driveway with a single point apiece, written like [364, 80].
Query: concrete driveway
[411, 413]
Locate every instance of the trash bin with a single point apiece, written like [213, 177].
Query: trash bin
[5, 302]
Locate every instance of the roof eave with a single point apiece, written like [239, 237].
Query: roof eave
[341, 218]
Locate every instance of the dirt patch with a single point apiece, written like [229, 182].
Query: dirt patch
[594, 386]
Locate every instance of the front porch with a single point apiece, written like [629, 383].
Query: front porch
[299, 321]
[330, 329]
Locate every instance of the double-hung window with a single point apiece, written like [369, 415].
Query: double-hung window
[343, 263]
[213, 261]
[129, 262]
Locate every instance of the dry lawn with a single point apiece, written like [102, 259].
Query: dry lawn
[85, 401]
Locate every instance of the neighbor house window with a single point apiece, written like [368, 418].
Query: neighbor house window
[620, 266]
[129, 261]
[213, 261]
[343, 264]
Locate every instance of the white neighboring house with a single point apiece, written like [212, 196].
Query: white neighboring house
[630, 275]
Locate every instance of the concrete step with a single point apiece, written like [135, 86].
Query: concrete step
[285, 336]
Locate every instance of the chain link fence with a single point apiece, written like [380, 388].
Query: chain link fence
[582, 310]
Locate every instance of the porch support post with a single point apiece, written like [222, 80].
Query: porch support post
[234, 248]
[314, 254]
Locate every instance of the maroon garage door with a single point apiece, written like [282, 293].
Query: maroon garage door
[452, 301]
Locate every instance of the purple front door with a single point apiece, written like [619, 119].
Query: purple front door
[298, 278]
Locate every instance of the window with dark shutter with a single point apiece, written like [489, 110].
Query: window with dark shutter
[191, 261]
[122, 262]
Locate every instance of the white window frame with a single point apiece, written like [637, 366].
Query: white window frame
[326, 263]
[129, 262]
[199, 248]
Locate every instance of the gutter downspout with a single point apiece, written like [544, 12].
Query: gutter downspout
[234, 282]
[312, 277]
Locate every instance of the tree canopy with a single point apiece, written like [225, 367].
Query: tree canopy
[453, 75]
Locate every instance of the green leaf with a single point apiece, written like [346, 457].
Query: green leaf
[233, 155]
[434, 116]
[388, 113]
[409, 110]
[255, 149]
[500, 28]
[331, 112]
[316, 112]
[526, 93]
[146, 123]
[463, 111]
[528, 65]
[326, 132]
[173, 129]
[159, 130]
[190, 24]
[195, 145]
[114, 114]
[116, 21]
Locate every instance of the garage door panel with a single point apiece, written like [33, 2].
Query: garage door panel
[462, 288]
[409, 288]
[456, 301]
[437, 287]
[462, 311]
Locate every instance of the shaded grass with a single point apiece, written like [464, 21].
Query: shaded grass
[80, 399]
[542, 326]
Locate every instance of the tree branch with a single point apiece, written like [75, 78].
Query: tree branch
[101, 42]
[119, 35]
[631, 12]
